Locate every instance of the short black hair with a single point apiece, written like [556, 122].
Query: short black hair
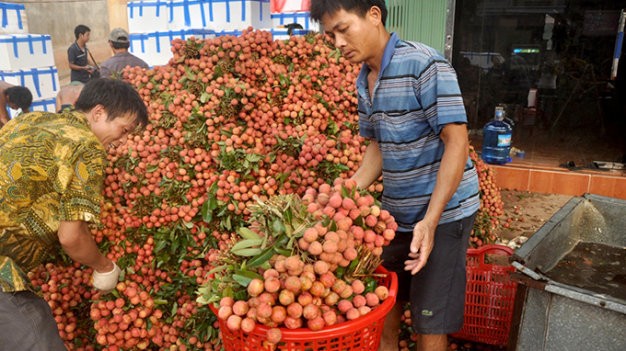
[320, 8]
[20, 96]
[81, 29]
[118, 45]
[117, 97]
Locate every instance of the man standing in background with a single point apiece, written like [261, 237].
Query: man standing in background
[113, 66]
[78, 55]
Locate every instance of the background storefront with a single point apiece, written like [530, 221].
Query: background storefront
[559, 51]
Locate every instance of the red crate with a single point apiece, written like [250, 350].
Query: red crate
[361, 334]
[489, 297]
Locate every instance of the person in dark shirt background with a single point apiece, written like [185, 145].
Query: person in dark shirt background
[78, 55]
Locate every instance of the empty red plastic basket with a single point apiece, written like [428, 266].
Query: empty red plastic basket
[490, 296]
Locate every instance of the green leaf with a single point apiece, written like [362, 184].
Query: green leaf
[340, 271]
[174, 308]
[370, 285]
[244, 244]
[353, 265]
[151, 168]
[359, 221]
[160, 246]
[282, 251]
[212, 203]
[243, 281]
[202, 300]
[332, 128]
[217, 269]
[290, 243]
[207, 213]
[278, 227]
[247, 233]
[332, 226]
[281, 242]
[226, 223]
[247, 252]
[248, 274]
[205, 97]
[262, 258]
[288, 216]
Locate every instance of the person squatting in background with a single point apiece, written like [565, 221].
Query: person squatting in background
[13, 97]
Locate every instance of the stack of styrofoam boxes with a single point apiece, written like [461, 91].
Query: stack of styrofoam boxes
[153, 24]
[303, 18]
[27, 59]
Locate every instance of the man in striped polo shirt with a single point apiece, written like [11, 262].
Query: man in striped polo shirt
[411, 110]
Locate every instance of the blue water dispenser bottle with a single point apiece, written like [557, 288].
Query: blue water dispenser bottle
[497, 135]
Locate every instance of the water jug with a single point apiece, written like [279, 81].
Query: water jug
[497, 135]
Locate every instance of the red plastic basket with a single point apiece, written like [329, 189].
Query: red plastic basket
[362, 334]
[489, 297]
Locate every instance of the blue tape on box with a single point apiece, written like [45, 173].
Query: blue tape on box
[292, 17]
[34, 79]
[6, 7]
[47, 105]
[186, 5]
[171, 35]
[27, 38]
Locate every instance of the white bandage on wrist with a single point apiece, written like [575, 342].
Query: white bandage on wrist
[107, 281]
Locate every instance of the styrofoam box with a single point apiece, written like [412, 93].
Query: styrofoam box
[43, 83]
[20, 51]
[48, 105]
[155, 47]
[238, 14]
[303, 18]
[147, 16]
[13, 18]
[159, 16]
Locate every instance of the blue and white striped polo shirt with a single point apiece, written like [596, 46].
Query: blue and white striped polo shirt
[416, 94]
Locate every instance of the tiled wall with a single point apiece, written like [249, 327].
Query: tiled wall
[560, 182]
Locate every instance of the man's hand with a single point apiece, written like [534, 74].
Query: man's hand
[106, 281]
[421, 247]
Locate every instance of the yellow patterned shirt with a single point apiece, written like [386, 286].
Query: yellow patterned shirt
[51, 170]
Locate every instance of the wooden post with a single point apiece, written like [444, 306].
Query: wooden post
[118, 14]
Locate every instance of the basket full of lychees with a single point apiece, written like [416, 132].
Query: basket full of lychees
[306, 273]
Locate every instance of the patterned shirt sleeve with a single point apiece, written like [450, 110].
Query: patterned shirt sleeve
[81, 200]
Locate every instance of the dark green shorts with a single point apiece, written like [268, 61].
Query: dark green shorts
[437, 292]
